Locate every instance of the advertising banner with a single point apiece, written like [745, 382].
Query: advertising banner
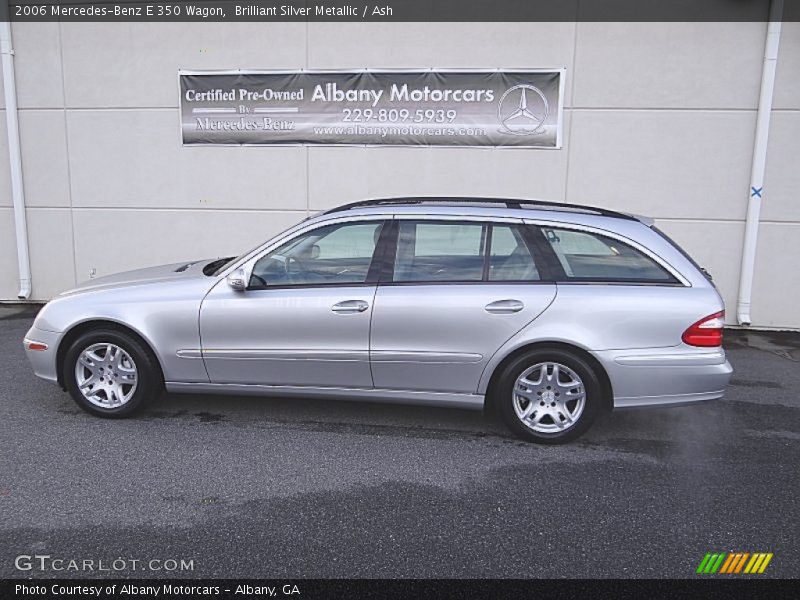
[405, 108]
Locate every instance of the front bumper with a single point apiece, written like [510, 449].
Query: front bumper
[665, 376]
[43, 361]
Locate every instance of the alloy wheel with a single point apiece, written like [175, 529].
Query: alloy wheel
[549, 397]
[106, 375]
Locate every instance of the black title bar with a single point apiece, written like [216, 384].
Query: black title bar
[396, 589]
[400, 10]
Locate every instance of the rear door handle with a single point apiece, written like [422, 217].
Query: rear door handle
[350, 306]
[504, 307]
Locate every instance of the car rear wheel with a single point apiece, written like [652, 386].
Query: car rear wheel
[110, 374]
[549, 396]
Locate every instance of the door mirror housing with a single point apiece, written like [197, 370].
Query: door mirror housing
[237, 280]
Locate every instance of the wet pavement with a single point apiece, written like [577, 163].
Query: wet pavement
[256, 487]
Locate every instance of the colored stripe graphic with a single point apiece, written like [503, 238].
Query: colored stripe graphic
[718, 562]
[732, 563]
[751, 564]
[701, 567]
[740, 564]
[728, 562]
[757, 566]
[710, 563]
[765, 563]
[737, 562]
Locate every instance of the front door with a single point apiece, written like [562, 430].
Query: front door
[304, 319]
[457, 292]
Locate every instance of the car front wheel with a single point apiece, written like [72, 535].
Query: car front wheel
[549, 396]
[110, 374]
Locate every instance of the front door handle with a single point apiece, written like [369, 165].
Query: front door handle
[504, 307]
[350, 306]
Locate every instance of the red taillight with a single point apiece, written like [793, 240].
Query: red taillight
[707, 332]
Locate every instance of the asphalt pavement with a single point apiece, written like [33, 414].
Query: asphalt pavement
[266, 488]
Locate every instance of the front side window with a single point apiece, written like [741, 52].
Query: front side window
[587, 256]
[333, 254]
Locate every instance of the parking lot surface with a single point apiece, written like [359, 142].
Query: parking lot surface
[259, 487]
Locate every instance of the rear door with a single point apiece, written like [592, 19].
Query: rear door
[455, 292]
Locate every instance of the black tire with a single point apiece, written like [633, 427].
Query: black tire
[593, 403]
[149, 381]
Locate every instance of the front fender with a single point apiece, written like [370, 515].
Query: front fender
[166, 319]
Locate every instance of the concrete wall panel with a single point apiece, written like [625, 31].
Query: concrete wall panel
[777, 277]
[44, 147]
[787, 83]
[8, 256]
[134, 158]
[37, 63]
[151, 237]
[5, 168]
[51, 251]
[782, 179]
[662, 163]
[668, 65]
[136, 64]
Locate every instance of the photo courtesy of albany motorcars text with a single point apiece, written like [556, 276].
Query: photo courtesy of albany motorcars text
[548, 313]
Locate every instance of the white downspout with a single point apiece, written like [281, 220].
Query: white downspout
[759, 162]
[15, 159]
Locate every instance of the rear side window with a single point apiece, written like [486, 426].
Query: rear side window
[509, 258]
[587, 256]
[439, 251]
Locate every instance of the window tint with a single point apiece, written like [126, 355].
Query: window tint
[594, 257]
[510, 259]
[333, 254]
[439, 251]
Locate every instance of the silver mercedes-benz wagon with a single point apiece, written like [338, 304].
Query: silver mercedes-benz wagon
[548, 313]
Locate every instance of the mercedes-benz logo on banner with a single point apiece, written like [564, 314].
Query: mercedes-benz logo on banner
[522, 110]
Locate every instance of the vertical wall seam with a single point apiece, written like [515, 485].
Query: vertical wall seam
[68, 156]
[568, 136]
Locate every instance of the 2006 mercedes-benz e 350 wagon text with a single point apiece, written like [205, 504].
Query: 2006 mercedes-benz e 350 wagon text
[550, 313]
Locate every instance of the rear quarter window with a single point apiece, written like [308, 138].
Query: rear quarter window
[589, 256]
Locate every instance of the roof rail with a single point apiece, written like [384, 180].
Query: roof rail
[508, 202]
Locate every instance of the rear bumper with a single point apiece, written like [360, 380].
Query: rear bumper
[665, 377]
[42, 361]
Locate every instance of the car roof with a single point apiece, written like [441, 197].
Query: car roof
[511, 203]
[487, 207]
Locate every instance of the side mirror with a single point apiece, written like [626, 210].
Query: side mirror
[238, 280]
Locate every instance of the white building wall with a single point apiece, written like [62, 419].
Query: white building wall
[659, 120]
